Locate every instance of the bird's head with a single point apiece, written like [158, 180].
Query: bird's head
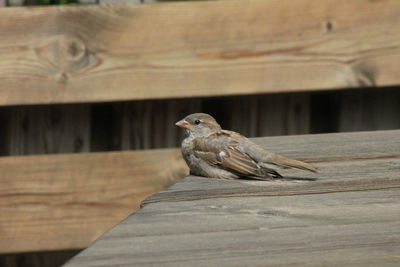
[199, 125]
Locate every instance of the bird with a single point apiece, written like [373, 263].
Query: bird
[210, 151]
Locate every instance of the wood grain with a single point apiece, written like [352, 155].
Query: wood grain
[47, 130]
[348, 216]
[171, 50]
[150, 124]
[347, 162]
[66, 201]
[362, 110]
[338, 229]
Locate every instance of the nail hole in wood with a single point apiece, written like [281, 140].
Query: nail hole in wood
[329, 26]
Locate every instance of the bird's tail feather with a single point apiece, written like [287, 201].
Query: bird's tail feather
[292, 163]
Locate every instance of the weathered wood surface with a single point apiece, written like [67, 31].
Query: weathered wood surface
[367, 110]
[166, 50]
[147, 124]
[46, 129]
[66, 201]
[350, 215]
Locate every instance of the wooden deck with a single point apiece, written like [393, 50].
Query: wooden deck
[348, 214]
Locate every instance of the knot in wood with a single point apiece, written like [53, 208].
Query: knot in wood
[61, 77]
[364, 75]
[329, 26]
[73, 48]
[67, 54]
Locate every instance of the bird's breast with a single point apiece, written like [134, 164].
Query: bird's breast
[187, 149]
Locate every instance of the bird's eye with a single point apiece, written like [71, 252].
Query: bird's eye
[197, 122]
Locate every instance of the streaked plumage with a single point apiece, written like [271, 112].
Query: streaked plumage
[213, 152]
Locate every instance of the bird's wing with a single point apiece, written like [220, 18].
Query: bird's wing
[292, 163]
[266, 158]
[223, 150]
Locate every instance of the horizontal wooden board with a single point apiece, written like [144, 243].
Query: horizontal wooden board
[66, 201]
[339, 229]
[346, 162]
[169, 50]
[73, 198]
[348, 215]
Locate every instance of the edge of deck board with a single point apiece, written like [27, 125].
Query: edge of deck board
[347, 162]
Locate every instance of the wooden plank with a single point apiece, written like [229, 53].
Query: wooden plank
[298, 114]
[335, 146]
[47, 130]
[71, 199]
[243, 114]
[268, 115]
[283, 114]
[334, 229]
[150, 124]
[339, 229]
[147, 124]
[350, 180]
[361, 110]
[347, 162]
[349, 214]
[167, 50]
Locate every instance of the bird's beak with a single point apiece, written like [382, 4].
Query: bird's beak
[183, 124]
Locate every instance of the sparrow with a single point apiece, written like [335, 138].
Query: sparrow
[210, 151]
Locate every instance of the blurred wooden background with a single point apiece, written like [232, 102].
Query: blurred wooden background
[75, 128]
[82, 79]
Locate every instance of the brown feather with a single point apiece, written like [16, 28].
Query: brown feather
[208, 157]
[240, 162]
[209, 149]
[292, 163]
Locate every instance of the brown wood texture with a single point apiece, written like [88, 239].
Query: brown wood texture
[349, 215]
[348, 162]
[46, 129]
[53, 202]
[149, 124]
[122, 52]
[367, 110]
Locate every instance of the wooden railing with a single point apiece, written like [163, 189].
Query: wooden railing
[108, 53]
